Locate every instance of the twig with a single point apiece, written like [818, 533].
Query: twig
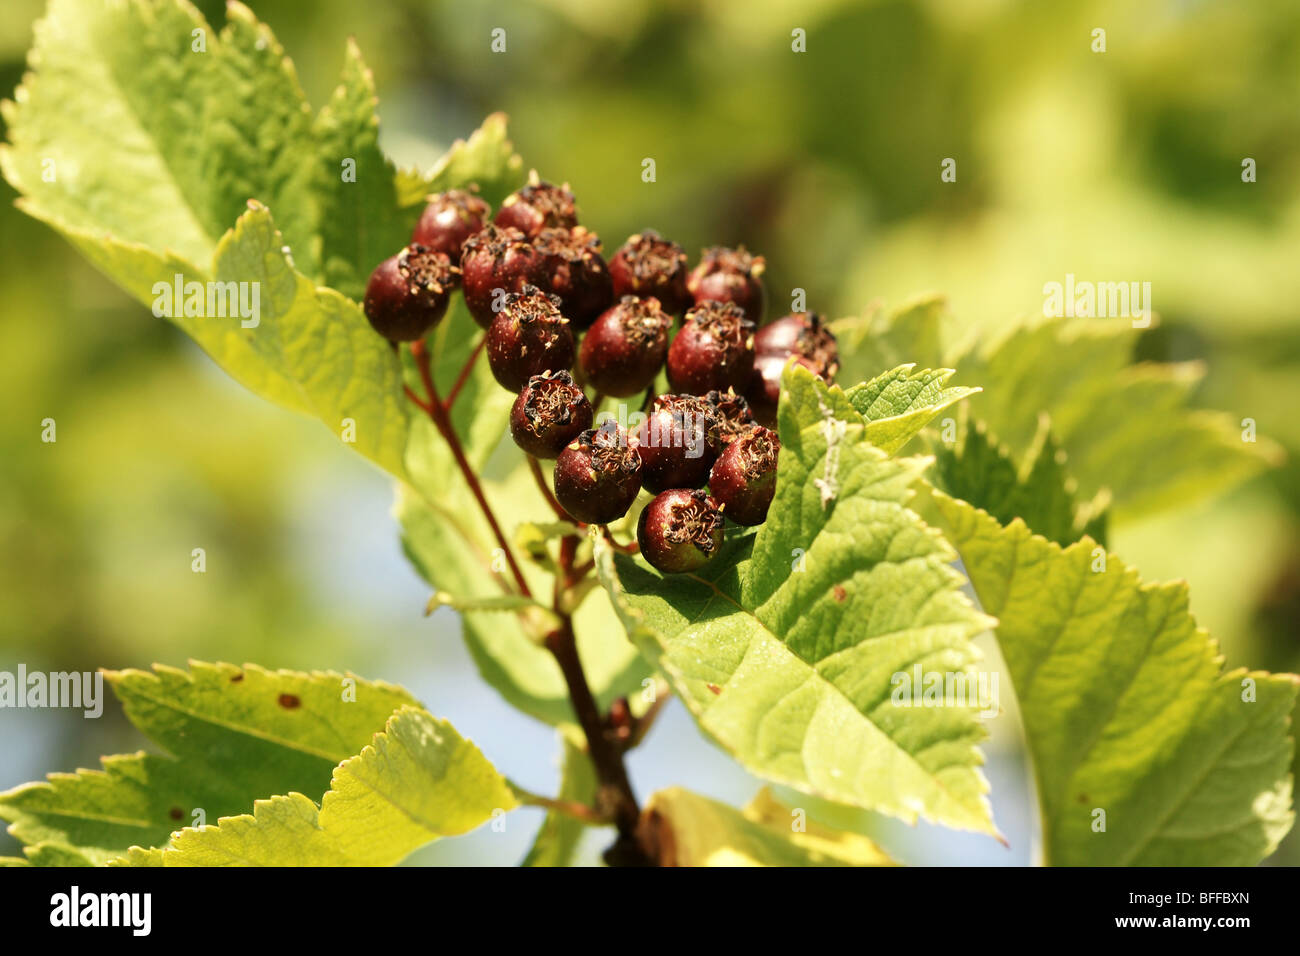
[438, 413]
[615, 791]
[571, 808]
[465, 371]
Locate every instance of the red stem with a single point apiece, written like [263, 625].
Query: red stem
[463, 377]
[437, 411]
[605, 749]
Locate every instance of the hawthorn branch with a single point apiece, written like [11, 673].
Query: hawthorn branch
[615, 790]
[465, 371]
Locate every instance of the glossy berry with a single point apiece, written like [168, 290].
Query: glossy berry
[572, 267]
[549, 413]
[649, 265]
[407, 294]
[537, 206]
[678, 442]
[743, 479]
[680, 530]
[804, 334]
[734, 417]
[764, 389]
[598, 475]
[528, 337]
[729, 275]
[624, 349]
[450, 219]
[494, 262]
[713, 350]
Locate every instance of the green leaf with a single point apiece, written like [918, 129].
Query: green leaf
[152, 142]
[1127, 429]
[362, 219]
[899, 403]
[1127, 708]
[784, 646]
[234, 735]
[1040, 492]
[689, 830]
[487, 159]
[418, 781]
[162, 133]
[348, 376]
[918, 331]
[557, 839]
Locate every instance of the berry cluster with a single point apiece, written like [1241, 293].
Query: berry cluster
[553, 309]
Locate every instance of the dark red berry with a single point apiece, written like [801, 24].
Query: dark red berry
[743, 479]
[804, 334]
[680, 530]
[678, 442]
[450, 219]
[494, 262]
[713, 350]
[548, 414]
[528, 337]
[572, 267]
[537, 206]
[649, 265]
[764, 389]
[734, 417]
[408, 293]
[598, 475]
[624, 349]
[729, 275]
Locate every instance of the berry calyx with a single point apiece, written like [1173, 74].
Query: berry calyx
[450, 219]
[528, 337]
[734, 417]
[743, 479]
[408, 293]
[678, 442]
[713, 350]
[549, 413]
[729, 275]
[572, 267]
[804, 334]
[624, 349]
[537, 206]
[598, 475]
[680, 530]
[494, 262]
[649, 265]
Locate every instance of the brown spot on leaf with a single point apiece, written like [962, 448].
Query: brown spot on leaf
[176, 813]
[1083, 798]
[840, 593]
[236, 678]
[714, 687]
[290, 701]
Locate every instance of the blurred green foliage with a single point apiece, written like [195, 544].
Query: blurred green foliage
[1123, 165]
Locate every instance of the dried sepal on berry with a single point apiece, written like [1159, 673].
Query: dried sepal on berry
[549, 413]
[680, 530]
[598, 475]
[408, 293]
